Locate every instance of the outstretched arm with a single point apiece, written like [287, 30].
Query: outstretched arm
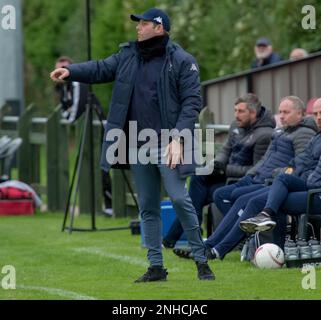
[88, 72]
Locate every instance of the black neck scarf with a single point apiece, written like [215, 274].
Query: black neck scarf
[153, 47]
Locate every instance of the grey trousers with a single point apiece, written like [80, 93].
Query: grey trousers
[147, 179]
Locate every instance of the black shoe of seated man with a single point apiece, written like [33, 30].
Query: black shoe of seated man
[188, 254]
[154, 274]
[168, 245]
[210, 255]
[185, 253]
[262, 222]
[204, 271]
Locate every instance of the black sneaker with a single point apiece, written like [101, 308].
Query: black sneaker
[154, 274]
[262, 222]
[204, 271]
[168, 245]
[211, 255]
[184, 253]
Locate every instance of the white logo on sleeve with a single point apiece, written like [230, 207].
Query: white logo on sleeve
[159, 20]
[193, 67]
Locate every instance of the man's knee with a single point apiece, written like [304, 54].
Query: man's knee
[179, 201]
[148, 206]
[223, 193]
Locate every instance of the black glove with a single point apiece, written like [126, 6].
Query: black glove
[219, 168]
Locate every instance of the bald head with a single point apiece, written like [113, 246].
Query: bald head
[291, 111]
[317, 112]
[298, 53]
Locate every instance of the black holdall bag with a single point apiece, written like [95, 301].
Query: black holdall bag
[253, 242]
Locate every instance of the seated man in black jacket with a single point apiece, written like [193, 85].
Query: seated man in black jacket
[249, 137]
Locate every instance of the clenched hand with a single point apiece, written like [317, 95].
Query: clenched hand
[59, 74]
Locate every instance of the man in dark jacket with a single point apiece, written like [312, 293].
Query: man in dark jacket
[264, 53]
[157, 87]
[249, 137]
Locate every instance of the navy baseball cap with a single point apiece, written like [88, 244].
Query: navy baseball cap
[155, 15]
[263, 42]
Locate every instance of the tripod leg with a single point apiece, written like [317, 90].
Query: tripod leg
[71, 187]
[83, 140]
[72, 216]
[92, 170]
[76, 173]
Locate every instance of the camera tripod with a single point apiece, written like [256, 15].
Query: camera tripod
[91, 104]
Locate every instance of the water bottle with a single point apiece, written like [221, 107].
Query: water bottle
[286, 245]
[291, 250]
[304, 249]
[315, 248]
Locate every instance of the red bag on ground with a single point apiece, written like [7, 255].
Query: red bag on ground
[14, 201]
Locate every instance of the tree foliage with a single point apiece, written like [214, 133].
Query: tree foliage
[220, 33]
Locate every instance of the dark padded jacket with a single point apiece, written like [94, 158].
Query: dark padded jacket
[245, 147]
[306, 162]
[179, 90]
[285, 145]
[273, 58]
[314, 178]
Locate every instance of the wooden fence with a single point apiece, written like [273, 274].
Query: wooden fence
[301, 78]
[47, 140]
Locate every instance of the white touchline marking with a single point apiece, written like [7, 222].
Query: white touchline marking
[58, 292]
[123, 258]
[127, 259]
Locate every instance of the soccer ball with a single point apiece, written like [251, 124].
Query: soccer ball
[268, 256]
